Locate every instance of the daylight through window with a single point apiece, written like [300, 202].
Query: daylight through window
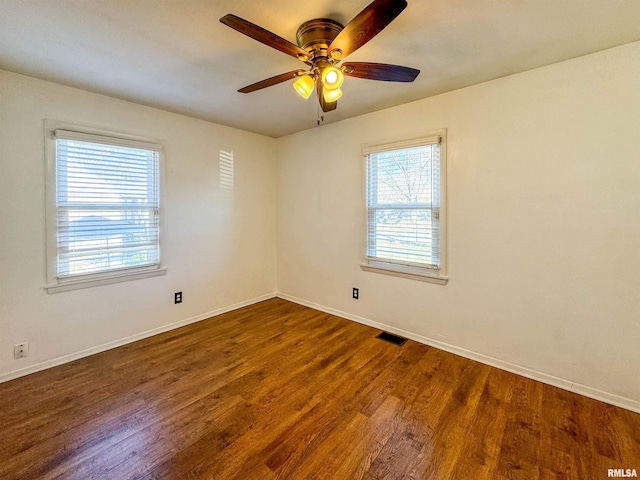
[404, 204]
[107, 201]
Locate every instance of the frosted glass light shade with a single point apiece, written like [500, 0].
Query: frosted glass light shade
[332, 78]
[304, 86]
[331, 95]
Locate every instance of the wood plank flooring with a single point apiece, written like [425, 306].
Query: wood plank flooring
[280, 391]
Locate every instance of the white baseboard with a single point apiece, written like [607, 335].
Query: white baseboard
[123, 341]
[585, 390]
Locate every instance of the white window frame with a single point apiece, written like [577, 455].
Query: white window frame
[55, 284]
[426, 274]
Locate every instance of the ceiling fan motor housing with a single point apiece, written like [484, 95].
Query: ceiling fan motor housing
[315, 36]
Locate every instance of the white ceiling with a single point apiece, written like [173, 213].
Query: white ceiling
[177, 56]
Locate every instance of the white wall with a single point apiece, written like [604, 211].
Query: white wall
[220, 249]
[544, 223]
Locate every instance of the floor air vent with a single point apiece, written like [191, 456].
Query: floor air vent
[391, 338]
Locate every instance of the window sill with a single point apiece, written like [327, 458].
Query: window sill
[77, 284]
[399, 271]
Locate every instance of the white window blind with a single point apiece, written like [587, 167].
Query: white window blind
[107, 201]
[403, 204]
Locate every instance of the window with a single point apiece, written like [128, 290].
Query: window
[405, 208]
[103, 212]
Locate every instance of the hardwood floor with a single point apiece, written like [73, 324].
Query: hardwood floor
[278, 390]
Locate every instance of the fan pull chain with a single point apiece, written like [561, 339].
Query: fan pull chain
[320, 117]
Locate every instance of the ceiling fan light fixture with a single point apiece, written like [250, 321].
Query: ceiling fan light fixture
[332, 78]
[322, 43]
[331, 96]
[304, 86]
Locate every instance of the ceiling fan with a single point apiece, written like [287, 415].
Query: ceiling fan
[322, 44]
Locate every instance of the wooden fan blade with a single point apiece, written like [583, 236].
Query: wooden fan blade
[380, 71]
[366, 25]
[263, 36]
[283, 77]
[326, 106]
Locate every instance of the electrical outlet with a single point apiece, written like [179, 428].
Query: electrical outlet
[356, 293]
[20, 350]
[177, 297]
